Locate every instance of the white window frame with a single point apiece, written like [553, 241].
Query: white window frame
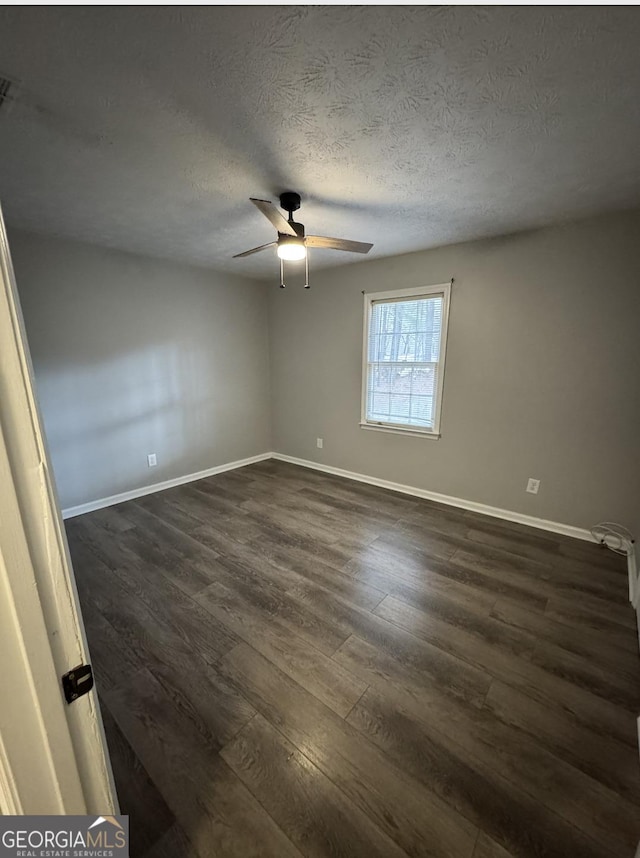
[370, 298]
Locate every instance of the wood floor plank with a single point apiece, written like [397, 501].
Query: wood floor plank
[314, 814]
[139, 798]
[309, 667]
[620, 686]
[413, 539]
[151, 602]
[226, 517]
[173, 844]
[583, 801]
[488, 848]
[596, 555]
[472, 648]
[206, 501]
[592, 614]
[515, 819]
[410, 673]
[544, 570]
[269, 557]
[573, 578]
[532, 545]
[481, 577]
[223, 496]
[430, 663]
[363, 511]
[85, 533]
[113, 519]
[611, 647]
[380, 500]
[163, 505]
[184, 560]
[291, 477]
[342, 525]
[529, 578]
[269, 538]
[111, 655]
[209, 801]
[295, 522]
[560, 551]
[177, 646]
[372, 664]
[241, 565]
[150, 542]
[443, 621]
[273, 603]
[439, 517]
[600, 756]
[338, 554]
[415, 582]
[409, 813]
[232, 539]
[480, 641]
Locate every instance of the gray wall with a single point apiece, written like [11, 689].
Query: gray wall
[542, 377]
[133, 356]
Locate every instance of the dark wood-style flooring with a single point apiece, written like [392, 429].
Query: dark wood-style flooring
[290, 663]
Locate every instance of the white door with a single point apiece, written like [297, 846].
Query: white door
[53, 755]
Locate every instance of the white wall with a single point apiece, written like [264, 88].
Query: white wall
[132, 356]
[542, 374]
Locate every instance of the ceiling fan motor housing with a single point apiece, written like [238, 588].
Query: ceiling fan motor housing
[290, 201]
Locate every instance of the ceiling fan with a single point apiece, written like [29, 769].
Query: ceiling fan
[292, 243]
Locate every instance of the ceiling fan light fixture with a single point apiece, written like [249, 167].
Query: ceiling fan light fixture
[291, 249]
[292, 243]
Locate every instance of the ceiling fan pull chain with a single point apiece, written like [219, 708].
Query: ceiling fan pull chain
[306, 272]
[282, 286]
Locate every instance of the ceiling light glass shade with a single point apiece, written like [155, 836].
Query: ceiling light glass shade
[291, 249]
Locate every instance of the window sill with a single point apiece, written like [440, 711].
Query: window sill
[397, 430]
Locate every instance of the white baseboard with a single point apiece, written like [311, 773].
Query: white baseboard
[495, 512]
[159, 487]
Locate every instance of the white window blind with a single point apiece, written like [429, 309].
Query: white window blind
[404, 360]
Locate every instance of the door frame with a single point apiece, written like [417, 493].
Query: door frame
[53, 755]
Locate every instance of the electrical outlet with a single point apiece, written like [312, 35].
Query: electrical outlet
[320, 443]
[152, 460]
[533, 486]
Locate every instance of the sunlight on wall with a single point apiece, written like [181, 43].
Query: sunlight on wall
[109, 416]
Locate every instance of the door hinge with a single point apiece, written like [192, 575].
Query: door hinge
[77, 682]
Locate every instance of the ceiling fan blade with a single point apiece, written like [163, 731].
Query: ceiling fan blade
[337, 244]
[271, 213]
[255, 250]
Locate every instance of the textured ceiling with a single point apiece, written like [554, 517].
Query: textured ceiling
[147, 128]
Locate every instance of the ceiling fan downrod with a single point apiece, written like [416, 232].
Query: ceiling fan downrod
[290, 202]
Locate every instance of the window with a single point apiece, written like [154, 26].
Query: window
[405, 334]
